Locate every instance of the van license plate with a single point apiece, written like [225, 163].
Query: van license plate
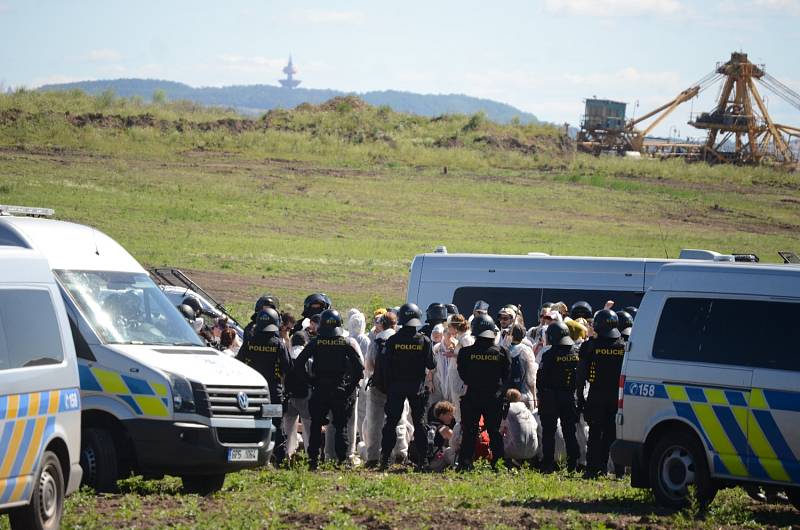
[271, 411]
[242, 455]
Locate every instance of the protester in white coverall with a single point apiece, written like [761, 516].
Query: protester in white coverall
[520, 441]
[458, 328]
[374, 419]
[296, 408]
[356, 328]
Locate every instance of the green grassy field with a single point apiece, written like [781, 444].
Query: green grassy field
[339, 198]
[360, 499]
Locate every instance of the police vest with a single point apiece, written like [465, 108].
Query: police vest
[561, 373]
[266, 354]
[407, 357]
[605, 364]
[483, 365]
[331, 359]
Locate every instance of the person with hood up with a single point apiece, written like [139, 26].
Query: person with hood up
[443, 344]
[506, 318]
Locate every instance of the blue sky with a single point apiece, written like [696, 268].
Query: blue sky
[543, 56]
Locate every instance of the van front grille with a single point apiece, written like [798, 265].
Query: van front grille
[224, 401]
[241, 436]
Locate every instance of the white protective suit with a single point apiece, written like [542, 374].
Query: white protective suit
[520, 441]
[455, 384]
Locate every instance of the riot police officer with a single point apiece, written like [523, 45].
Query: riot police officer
[600, 364]
[580, 309]
[334, 373]
[484, 368]
[435, 314]
[555, 385]
[625, 325]
[408, 353]
[265, 300]
[267, 354]
[314, 304]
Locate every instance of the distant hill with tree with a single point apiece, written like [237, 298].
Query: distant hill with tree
[254, 99]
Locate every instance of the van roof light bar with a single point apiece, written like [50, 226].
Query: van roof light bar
[27, 211]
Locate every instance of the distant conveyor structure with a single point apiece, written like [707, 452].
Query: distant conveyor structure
[740, 128]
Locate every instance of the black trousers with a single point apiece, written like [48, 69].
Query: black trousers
[340, 405]
[555, 405]
[600, 413]
[279, 453]
[474, 404]
[395, 400]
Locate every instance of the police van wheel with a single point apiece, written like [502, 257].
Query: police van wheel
[203, 484]
[793, 495]
[99, 460]
[47, 502]
[677, 462]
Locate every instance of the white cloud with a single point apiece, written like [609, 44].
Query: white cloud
[104, 55]
[325, 16]
[615, 8]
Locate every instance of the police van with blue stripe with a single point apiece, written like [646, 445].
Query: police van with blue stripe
[39, 396]
[155, 399]
[710, 386]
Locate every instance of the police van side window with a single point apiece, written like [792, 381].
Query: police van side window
[725, 332]
[29, 334]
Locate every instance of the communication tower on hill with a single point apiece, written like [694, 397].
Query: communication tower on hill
[290, 81]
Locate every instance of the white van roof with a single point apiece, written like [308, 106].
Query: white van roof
[742, 278]
[67, 245]
[23, 265]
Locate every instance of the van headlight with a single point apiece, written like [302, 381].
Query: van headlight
[182, 396]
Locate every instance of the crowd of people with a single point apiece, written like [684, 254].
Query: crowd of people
[438, 393]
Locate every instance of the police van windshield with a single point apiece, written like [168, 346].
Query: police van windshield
[127, 308]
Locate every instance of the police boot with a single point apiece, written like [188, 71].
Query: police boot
[384, 463]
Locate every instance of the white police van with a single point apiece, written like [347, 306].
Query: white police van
[710, 386]
[39, 396]
[533, 279]
[155, 399]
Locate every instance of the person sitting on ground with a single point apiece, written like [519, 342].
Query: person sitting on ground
[519, 430]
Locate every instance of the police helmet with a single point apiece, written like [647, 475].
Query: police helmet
[315, 303]
[625, 323]
[557, 334]
[452, 309]
[409, 315]
[605, 324]
[187, 312]
[481, 305]
[268, 320]
[436, 313]
[581, 309]
[330, 324]
[267, 300]
[632, 310]
[194, 303]
[483, 326]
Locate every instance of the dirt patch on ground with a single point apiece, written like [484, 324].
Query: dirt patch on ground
[152, 511]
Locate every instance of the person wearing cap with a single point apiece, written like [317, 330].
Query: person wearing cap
[556, 396]
[600, 365]
[267, 354]
[481, 308]
[484, 368]
[435, 314]
[506, 318]
[409, 354]
[334, 371]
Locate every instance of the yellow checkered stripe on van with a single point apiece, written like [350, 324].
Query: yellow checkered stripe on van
[27, 421]
[738, 426]
[143, 397]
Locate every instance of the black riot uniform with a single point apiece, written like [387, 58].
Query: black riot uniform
[555, 388]
[600, 364]
[334, 373]
[267, 354]
[484, 368]
[408, 354]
